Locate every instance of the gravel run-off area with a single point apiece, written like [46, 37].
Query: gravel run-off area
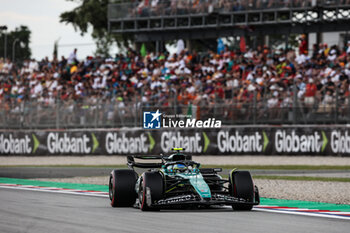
[214, 160]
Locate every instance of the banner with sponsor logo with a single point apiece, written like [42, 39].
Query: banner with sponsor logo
[241, 140]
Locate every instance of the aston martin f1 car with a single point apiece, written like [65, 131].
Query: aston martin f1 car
[178, 181]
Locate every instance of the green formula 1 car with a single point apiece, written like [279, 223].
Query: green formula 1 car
[177, 181]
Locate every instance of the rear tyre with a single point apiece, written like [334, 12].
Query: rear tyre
[241, 186]
[153, 182]
[122, 187]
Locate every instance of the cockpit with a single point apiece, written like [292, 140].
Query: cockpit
[181, 168]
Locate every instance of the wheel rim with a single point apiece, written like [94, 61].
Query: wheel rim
[141, 192]
[111, 190]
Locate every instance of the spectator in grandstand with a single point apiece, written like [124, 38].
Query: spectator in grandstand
[310, 94]
[303, 45]
[348, 47]
[73, 57]
[327, 103]
[108, 88]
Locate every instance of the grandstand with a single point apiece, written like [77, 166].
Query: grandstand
[162, 20]
[260, 86]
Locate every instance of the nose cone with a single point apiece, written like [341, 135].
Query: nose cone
[200, 186]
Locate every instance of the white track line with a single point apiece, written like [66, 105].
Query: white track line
[295, 212]
[53, 190]
[323, 215]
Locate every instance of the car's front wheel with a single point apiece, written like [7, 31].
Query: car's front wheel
[122, 187]
[151, 190]
[241, 186]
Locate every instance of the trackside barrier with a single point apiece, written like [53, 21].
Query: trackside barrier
[239, 140]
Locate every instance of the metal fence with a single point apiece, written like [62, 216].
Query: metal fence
[253, 109]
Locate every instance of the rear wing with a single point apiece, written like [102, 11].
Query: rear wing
[131, 161]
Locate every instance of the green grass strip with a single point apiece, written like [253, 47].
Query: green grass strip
[104, 188]
[90, 187]
[305, 204]
[303, 178]
[279, 167]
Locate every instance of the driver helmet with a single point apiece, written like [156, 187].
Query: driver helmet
[179, 167]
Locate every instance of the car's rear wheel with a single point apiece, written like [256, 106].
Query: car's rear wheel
[151, 190]
[122, 187]
[241, 186]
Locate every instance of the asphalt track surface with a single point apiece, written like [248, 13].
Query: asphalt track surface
[30, 211]
[68, 172]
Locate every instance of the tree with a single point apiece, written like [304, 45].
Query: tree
[22, 49]
[93, 13]
[89, 13]
[103, 45]
[55, 49]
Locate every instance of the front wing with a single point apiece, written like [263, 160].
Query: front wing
[190, 199]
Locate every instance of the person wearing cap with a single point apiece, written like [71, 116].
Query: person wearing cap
[332, 54]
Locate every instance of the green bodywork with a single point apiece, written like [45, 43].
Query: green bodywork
[194, 177]
[188, 173]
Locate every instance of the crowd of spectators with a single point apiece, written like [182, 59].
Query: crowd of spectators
[229, 83]
[145, 8]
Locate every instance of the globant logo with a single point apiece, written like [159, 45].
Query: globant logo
[65, 143]
[120, 143]
[152, 120]
[14, 145]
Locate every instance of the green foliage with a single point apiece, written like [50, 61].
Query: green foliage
[22, 49]
[89, 13]
[103, 45]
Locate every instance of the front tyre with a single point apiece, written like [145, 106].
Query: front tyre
[122, 187]
[241, 186]
[151, 190]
